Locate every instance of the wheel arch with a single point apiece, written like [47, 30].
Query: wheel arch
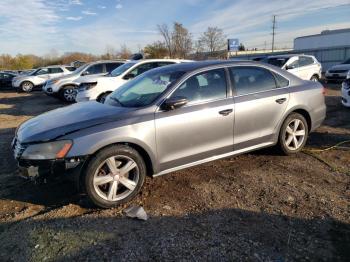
[143, 152]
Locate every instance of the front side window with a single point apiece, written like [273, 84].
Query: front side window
[294, 64]
[142, 69]
[95, 69]
[42, 71]
[145, 89]
[121, 69]
[247, 80]
[276, 61]
[210, 85]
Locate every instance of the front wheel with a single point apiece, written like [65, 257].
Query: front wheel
[114, 176]
[314, 78]
[68, 94]
[27, 86]
[293, 134]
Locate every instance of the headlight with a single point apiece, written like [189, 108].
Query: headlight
[53, 81]
[50, 150]
[87, 86]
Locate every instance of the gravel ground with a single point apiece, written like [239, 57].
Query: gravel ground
[253, 207]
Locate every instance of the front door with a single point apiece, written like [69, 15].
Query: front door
[201, 129]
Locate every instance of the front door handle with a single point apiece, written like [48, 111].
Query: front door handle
[281, 100]
[226, 112]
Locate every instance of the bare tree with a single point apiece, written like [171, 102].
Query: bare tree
[155, 50]
[166, 34]
[124, 52]
[213, 40]
[182, 41]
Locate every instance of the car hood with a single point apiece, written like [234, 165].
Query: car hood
[62, 121]
[341, 67]
[90, 78]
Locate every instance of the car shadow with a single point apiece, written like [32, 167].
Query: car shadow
[31, 104]
[212, 235]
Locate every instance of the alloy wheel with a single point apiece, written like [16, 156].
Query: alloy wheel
[295, 134]
[116, 178]
[69, 94]
[27, 86]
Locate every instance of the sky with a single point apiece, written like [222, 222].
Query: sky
[39, 26]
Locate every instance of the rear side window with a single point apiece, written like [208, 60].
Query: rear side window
[305, 60]
[206, 86]
[111, 66]
[247, 80]
[55, 70]
[280, 80]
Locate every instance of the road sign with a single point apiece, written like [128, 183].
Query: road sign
[233, 44]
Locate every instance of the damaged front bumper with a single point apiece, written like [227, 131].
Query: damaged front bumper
[49, 169]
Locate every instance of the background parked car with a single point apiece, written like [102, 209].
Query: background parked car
[6, 79]
[39, 77]
[65, 87]
[338, 72]
[345, 91]
[98, 88]
[304, 66]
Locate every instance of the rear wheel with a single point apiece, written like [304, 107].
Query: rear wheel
[114, 176]
[27, 86]
[293, 134]
[68, 94]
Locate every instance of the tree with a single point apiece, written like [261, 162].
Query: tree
[182, 41]
[156, 50]
[213, 40]
[241, 47]
[166, 34]
[124, 52]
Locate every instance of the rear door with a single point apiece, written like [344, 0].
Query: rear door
[261, 97]
[307, 67]
[201, 129]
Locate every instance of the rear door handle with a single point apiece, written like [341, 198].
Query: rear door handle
[226, 112]
[281, 100]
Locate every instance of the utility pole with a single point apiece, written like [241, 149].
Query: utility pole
[273, 32]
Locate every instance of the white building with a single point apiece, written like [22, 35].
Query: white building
[327, 39]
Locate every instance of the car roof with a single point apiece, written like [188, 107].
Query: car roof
[287, 56]
[195, 65]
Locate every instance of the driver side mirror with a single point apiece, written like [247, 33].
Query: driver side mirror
[85, 73]
[129, 76]
[289, 67]
[174, 103]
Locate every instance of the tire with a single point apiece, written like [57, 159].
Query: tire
[102, 98]
[99, 182]
[68, 94]
[314, 78]
[27, 86]
[286, 141]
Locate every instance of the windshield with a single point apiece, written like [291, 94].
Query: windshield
[121, 69]
[145, 89]
[347, 61]
[276, 61]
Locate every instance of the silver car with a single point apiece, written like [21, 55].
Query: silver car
[167, 119]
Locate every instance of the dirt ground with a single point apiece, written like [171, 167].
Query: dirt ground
[254, 207]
